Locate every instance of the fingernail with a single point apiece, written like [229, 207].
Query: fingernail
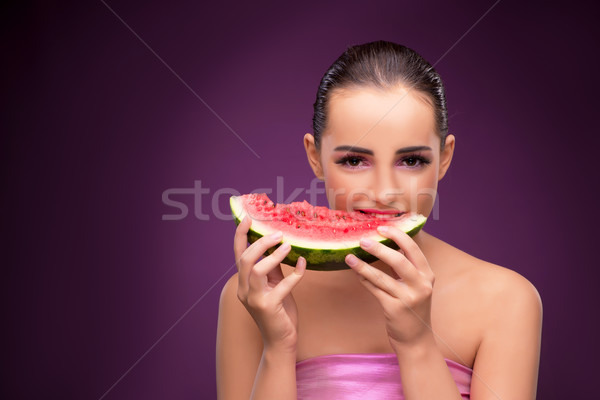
[366, 243]
[383, 229]
[351, 260]
[285, 246]
[276, 235]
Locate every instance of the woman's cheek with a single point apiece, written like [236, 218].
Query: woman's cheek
[425, 197]
[343, 190]
[332, 188]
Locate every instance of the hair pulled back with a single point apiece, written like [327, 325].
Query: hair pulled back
[383, 65]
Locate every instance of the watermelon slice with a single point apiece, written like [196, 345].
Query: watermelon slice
[322, 236]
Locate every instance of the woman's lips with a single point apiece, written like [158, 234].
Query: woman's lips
[373, 211]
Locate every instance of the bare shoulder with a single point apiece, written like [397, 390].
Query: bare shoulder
[496, 282]
[501, 321]
[228, 301]
[500, 315]
[487, 280]
[496, 293]
[229, 291]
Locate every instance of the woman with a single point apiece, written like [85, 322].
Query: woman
[382, 330]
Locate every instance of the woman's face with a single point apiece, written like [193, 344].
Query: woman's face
[380, 153]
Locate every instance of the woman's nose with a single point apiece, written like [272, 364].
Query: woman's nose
[386, 188]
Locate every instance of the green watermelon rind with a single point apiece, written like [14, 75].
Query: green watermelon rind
[325, 259]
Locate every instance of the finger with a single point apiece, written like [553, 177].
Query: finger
[275, 275]
[258, 248]
[258, 275]
[250, 256]
[240, 240]
[285, 287]
[411, 250]
[401, 265]
[379, 294]
[378, 278]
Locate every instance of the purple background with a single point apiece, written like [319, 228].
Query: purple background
[95, 128]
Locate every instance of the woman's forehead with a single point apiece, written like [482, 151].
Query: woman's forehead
[372, 116]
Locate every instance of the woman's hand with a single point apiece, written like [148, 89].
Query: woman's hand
[406, 299]
[264, 291]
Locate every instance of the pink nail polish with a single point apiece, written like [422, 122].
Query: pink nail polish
[366, 243]
[351, 260]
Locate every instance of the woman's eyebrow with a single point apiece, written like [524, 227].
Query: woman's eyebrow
[411, 149]
[354, 149]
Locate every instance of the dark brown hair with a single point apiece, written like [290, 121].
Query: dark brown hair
[382, 65]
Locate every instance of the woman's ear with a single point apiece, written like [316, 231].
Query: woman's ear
[314, 158]
[446, 156]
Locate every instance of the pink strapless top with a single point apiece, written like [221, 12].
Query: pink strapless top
[361, 376]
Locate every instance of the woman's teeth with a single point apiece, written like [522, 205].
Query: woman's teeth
[385, 216]
[382, 216]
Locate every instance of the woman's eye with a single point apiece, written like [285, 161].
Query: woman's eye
[411, 161]
[353, 161]
[415, 161]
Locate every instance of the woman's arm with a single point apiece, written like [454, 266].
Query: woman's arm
[257, 330]
[239, 346]
[424, 372]
[241, 362]
[406, 304]
[510, 317]
[507, 361]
